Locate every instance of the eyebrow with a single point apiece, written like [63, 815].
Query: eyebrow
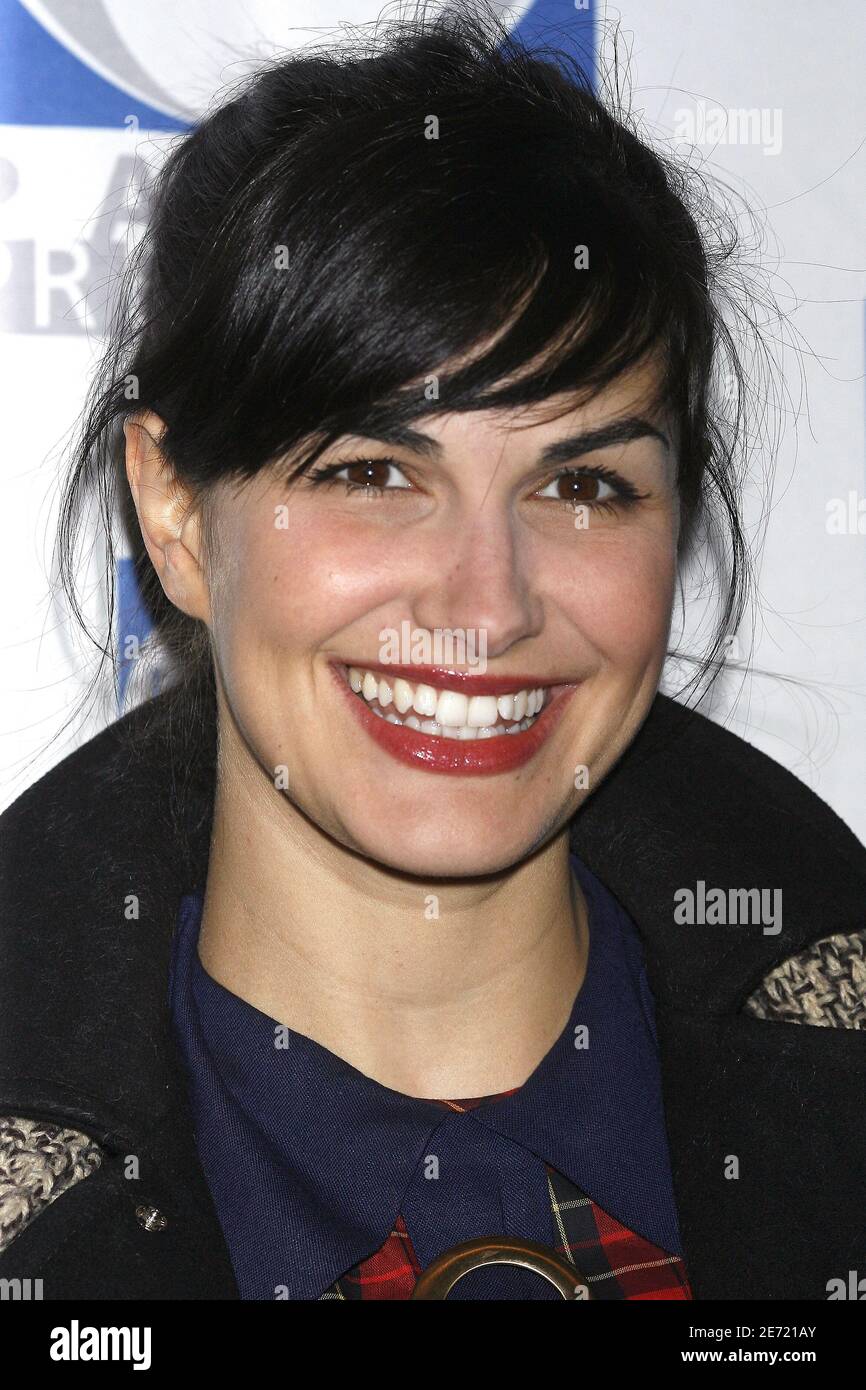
[622, 431]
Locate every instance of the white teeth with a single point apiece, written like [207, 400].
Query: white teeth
[482, 711]
[403, 696]
[425, 701]
[446, 713]
[451, 708]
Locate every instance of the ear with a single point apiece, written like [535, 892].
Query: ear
[170, 530]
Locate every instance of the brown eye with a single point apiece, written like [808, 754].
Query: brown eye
[576, 488]
[368, 473]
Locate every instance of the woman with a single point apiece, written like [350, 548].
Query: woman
[410, 914]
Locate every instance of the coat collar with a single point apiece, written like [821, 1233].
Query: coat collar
[96, 856]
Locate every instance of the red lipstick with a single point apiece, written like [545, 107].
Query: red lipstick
[458, 757]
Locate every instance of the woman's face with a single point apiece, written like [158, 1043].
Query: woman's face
[487, 525]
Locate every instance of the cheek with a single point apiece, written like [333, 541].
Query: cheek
[292, 586]
[618, 593]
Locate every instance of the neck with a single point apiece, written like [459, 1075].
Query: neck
[442, 988]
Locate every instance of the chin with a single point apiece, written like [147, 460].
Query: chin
[427, 855]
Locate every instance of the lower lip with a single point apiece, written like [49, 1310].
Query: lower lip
[477, 757]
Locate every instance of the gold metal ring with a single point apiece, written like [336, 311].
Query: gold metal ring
[442, 1274]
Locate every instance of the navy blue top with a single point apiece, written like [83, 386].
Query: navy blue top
[310, 1162]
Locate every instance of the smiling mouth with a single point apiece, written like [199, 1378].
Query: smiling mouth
[446, 713]
[452, 722]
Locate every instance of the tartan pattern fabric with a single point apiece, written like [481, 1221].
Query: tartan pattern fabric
[614, 1262]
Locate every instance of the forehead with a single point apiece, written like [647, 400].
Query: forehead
[636, 394]
[637, 391]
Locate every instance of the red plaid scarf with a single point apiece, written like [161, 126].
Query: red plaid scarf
[614, 1261]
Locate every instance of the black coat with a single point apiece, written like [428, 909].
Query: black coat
[87, 1040]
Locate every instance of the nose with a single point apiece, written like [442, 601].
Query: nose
[482, 581]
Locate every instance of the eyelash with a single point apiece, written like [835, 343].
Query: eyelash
[628, 493]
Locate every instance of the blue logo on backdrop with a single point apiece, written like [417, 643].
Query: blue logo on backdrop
[100, 63]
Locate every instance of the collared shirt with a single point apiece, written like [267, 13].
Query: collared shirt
[323, 1179]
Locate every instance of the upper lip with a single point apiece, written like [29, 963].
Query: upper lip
[440, 678]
